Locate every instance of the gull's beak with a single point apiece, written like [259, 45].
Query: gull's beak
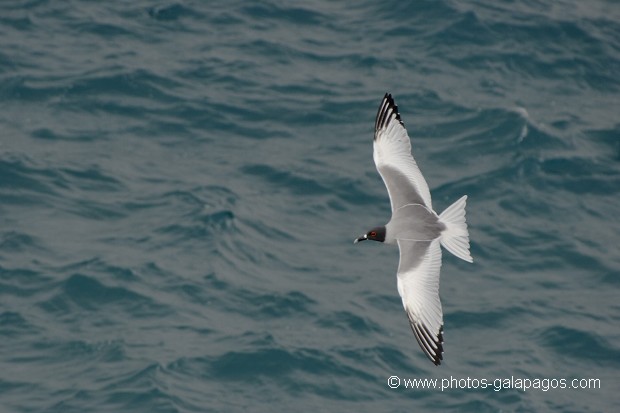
[362, 238]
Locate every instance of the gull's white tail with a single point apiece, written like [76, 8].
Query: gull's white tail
[455, 238]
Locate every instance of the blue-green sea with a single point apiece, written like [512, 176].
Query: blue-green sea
[181, 182]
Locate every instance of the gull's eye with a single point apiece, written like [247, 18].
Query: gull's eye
[373, 234]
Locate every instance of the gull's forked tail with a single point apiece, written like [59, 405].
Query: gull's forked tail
[455, 238]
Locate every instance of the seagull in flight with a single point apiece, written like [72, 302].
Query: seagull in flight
[416, 228]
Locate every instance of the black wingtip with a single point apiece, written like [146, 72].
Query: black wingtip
[384, 114]
[425, 338]
[439, 347]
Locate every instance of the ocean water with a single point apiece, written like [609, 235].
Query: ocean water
[181, 183]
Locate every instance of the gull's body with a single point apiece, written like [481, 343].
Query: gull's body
[416, 228]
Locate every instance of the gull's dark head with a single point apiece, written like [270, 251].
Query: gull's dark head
[375, 234]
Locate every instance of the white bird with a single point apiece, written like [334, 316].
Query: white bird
[416, 228]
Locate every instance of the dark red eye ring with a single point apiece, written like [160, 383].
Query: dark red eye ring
[373, 233]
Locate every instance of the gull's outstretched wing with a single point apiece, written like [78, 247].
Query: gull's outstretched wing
[392, 155]
[418, 286]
